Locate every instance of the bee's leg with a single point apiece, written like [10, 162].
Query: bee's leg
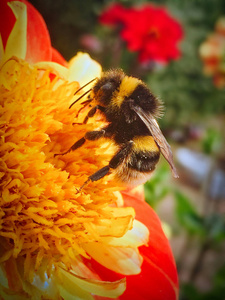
[85, 103]
[75, 146]
[90, 135]
[92, 112]
[96, 176]
[117, 159]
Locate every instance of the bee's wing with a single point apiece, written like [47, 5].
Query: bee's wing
[159, 138]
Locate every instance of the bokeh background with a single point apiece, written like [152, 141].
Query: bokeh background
[191, 83]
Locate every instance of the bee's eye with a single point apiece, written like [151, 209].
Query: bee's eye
[107, 86]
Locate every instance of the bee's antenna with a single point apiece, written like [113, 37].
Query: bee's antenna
[80, 98]
[83, 94]
[84, 85]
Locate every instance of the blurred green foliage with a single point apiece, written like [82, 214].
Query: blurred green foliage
[207, 229]
[158, 187]
[210, 228]
[211, 142]
[217, 292]
[187, 215]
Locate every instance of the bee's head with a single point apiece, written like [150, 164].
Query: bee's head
[105, 86]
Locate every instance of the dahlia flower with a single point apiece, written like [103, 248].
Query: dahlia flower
[55, 242]
[148, 30]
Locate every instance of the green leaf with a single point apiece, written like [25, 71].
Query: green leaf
[188, 216]
[190, 292]
[157, 187]
[215, 227]
[212, 141]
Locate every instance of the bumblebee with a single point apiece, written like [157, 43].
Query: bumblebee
[130, 111]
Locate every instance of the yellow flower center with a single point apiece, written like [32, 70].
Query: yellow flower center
[43, 220]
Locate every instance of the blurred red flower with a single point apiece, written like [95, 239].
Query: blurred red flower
[149, 30]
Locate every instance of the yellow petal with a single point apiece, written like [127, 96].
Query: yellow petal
[80, 294]
[17, 41]
[6, 255]
[83, 69]
[136, 237]
[74, 285]
[123, 260]
[116, 225]
[82, 270]
[54, 67]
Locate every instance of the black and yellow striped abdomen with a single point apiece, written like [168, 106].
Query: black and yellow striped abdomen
[141, 161]
[144, 155]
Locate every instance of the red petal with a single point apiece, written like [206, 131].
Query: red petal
[38, 39]
[158, 279]
[58, 58]
[7, 20]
